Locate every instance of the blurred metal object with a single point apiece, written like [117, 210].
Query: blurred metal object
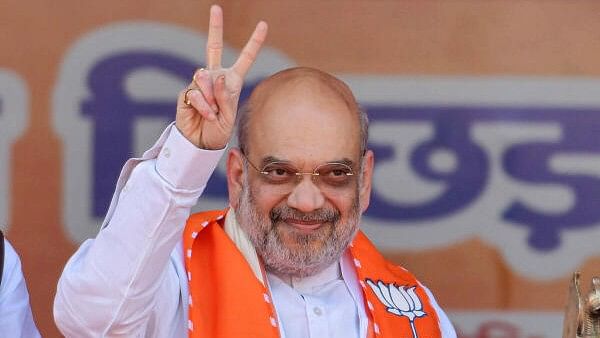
[582, 315]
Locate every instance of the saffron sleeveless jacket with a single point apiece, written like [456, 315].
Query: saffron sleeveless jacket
[227, 300]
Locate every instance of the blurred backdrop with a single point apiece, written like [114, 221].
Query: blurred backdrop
[485, 122]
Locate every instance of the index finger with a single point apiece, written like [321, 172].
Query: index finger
[214, 44]
[250, 51]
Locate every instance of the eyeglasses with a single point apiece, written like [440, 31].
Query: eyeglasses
[334, 175]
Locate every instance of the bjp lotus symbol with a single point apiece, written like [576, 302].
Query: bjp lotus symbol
[399, 300]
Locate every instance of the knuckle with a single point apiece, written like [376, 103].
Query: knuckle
[248, 55]
[203, 81]
[214, 46]
[258, 39]
[198, 74]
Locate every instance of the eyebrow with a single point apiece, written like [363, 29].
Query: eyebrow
[270, 159]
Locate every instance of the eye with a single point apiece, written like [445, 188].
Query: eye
[278, 173]
[335, 173]
[338, 172]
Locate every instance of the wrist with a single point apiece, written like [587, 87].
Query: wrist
[183, 164]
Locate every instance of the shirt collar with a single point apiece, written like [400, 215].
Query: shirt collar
[309, 284]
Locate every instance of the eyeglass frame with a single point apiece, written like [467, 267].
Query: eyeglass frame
[297, 173]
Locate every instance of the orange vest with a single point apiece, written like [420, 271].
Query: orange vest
[226, 300]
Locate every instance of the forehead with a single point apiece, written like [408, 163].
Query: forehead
[306, 122]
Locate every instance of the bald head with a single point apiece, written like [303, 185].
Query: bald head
[311, 83]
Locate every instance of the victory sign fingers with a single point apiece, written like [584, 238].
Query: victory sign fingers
[206, 109]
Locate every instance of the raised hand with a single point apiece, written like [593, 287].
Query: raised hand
[206, 110]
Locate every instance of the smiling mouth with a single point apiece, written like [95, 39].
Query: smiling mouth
[305, 226]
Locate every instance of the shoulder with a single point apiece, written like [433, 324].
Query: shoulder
[208, 215]
[379, 272]
[203, 218]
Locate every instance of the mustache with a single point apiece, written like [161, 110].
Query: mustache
[283, 212]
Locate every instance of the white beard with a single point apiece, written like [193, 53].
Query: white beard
[306, 254]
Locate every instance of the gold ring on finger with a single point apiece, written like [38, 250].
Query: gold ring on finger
[186, 100]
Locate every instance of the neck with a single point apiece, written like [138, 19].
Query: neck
[323, 276]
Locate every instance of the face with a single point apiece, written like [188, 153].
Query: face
[304, 225]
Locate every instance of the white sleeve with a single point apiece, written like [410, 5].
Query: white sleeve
[122, 283]
[445, 324]
[15, 313]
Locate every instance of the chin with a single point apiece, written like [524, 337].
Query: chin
[301, 239]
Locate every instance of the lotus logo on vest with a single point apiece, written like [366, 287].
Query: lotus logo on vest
[399, 300]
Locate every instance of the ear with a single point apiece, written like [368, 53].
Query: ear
[235, 171]
[367, 176]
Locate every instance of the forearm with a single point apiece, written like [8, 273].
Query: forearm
[113, 282]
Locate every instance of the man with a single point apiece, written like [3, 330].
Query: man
[285, 260]
[15, 314]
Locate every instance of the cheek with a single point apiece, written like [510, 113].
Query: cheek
[345, 204]
[265, 200]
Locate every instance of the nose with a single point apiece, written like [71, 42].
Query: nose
[306, 196]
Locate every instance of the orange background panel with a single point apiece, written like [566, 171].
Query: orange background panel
[361, 37]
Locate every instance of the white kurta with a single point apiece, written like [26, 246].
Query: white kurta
[16, 320]
[130, 280]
